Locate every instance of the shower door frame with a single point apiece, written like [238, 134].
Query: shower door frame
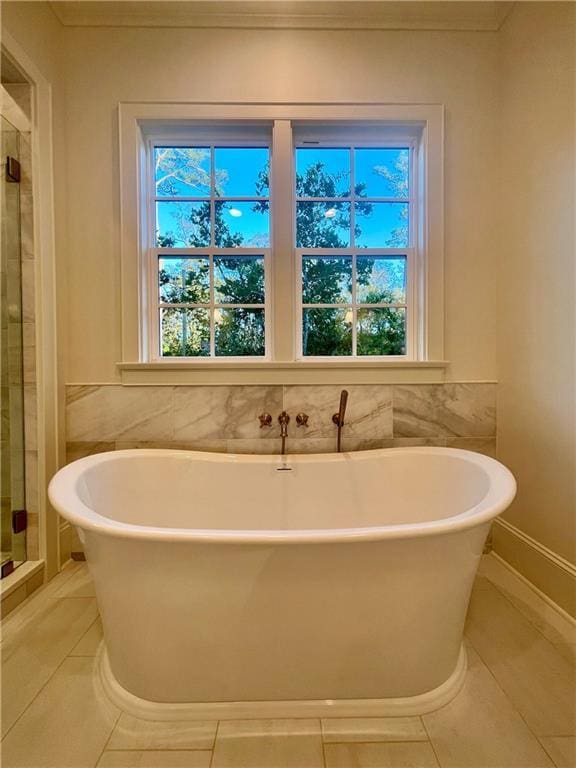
[15, 548]
[49, 433]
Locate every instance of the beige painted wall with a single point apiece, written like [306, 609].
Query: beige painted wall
[536, 275]
[37, 30]
[105, 66]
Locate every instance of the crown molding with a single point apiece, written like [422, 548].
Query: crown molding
[465, 15]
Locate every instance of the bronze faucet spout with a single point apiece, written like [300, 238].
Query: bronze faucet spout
[338, 418]
[283, 420]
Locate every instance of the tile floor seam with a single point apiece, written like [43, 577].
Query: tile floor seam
[109, 737]
[80, 655]
[324, 763]
[512, 704]
[74, 597]
[33, 699]
[13, 614]
[214, 743]
[153, 749]
[427, 732]
[323, 745]
[33, 617]
[378, 741]
[322, 742]
[47, 584]
[548, 753]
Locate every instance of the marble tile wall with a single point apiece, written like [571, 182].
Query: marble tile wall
[225, 419]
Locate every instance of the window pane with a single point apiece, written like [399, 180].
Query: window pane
[182, 171]
[381, 279]
[381, 332]
[382, 172]
[239, 332]
[241, 171]
[185, 332]
[327, 332]
[179, 225]
[322, 172]
[239, 280]
[323, 225]
[184, 280]
[245, 224]
[326, 280]
[381, 225]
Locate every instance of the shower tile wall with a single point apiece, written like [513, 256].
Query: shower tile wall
[225, 419]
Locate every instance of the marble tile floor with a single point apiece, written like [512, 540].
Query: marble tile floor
[516, 710]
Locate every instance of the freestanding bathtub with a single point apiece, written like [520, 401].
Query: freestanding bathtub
[254, 585]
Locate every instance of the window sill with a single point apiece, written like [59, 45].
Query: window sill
[225, 372]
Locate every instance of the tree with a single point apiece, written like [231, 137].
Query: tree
[397, 178]
[238, 280]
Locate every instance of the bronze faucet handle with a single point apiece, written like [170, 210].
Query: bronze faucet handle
[265, 420]
[302, 419]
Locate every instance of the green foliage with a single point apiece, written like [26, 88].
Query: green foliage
[381, 331]
[185, 332]
[240, 332]
[239, 280]
[326, 332]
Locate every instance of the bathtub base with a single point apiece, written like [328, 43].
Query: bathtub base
[231, 710]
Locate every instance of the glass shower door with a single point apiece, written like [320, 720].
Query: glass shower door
[12, 457]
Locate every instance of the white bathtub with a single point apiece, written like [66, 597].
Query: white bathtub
[253, 585]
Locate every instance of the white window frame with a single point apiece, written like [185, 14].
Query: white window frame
[198, 138]
[351, 140]
[424, 123]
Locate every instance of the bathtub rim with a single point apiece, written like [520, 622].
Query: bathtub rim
[405, 706]
[63, 496]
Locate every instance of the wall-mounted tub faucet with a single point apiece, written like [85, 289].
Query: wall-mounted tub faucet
[301, 419]
[265, 420]
[283, 420]
[338, 418]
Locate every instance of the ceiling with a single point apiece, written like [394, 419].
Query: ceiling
[285, 14]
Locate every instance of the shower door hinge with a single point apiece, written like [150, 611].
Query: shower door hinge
[12, 169]
[19, 520]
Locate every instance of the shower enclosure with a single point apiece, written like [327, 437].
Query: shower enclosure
[12, 455]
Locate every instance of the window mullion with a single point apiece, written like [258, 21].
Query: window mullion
[212, 310]
[353, 244]
[282, 221]
[354, 308]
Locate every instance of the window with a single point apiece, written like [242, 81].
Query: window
[211, 250]
[282, 235]
[354, 208]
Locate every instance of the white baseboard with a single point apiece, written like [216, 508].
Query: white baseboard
[549, 574]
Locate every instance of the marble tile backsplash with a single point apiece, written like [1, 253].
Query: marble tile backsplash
[225, 418]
